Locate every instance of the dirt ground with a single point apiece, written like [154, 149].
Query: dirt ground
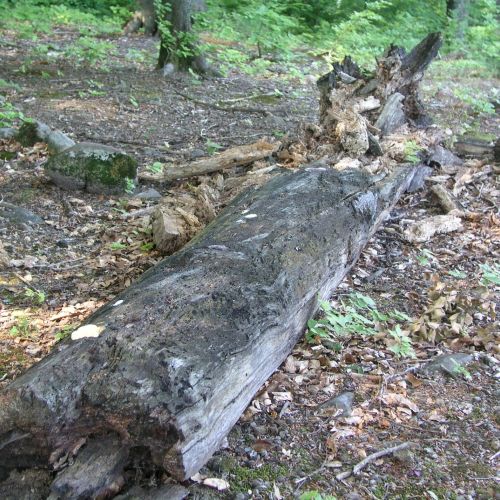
[295, 438]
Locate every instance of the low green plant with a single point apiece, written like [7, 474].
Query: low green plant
[425, 257]
[129, 185]
[479, 104]
[491, 274]
[459, 369]
[22, 328]
[456, 273]
[315, 495]
[135, 55]
[36, 296]
[412, 150]
[88, 50]
[10, 116]
[117, 245]
[155, 168]
[357, 315]
[64, 332]
[147, 247]
[401, 344]
[4, 84]
[212, 147]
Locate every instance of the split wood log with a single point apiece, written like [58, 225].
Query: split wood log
[165, 370]
[471, 147]
[232, 157]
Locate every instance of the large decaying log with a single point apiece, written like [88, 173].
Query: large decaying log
[166, 369]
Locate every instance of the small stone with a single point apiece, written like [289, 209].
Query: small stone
[93, 167]
[57, 142]
[342, 402]
[149, 194]
[7, 133]
[240, 496]
[448, 363]
[64, 243]
[194, 154]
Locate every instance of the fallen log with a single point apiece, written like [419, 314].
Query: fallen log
[232, 157]
[471, 147]
[165, 370]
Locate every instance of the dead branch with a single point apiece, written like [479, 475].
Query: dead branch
[370, 458]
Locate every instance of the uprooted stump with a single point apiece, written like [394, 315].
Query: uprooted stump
[165, 370]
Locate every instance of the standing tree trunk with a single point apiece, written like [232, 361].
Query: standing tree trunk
[179, 49]
[458, 10]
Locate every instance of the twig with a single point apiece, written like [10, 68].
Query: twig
[370, 458]
[411, 369]
[491, 478]
[250, 97]
[6, 204]
[299, 482]
[139, 213]
[26, 282]
[495, 456]
[73, 263]
[222, 108]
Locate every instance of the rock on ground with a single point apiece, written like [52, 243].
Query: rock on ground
[94, 168]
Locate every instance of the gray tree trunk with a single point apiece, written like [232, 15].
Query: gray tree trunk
[180, 51]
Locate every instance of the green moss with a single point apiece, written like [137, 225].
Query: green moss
[94, 167]
[242, 477]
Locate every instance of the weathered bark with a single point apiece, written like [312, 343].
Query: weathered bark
[145, 16]
[232, 157]
[181, 352]
[178, 50]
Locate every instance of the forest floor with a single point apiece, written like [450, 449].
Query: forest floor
[295, 437]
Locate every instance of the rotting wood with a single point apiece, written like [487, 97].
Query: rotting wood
[179, 355]
[357, 110]
[446, 200]
[471, 147]
[232, 157]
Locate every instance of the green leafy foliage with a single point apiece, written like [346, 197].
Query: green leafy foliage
[426, 257]
[212, 147]
[36, 296]
[315, 495]
[23, 328]
[116, 246]
[156, 167]
[401, 343]
[411, 152]
[358, 315]
[64, 332]
[491, 274]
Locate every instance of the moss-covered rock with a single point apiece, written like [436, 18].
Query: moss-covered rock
[94, 168]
